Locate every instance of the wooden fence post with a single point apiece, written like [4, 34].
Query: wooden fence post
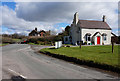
[80, 44]
[112, 47]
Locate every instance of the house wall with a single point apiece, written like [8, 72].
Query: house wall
[68, 40]
[95, 39]
[93, 31]
[74, 31]
[41, 34]
[75, 34]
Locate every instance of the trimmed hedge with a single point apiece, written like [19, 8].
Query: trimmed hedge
[83, 62]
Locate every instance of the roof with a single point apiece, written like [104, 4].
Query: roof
[88, 34]
[42, 31]
[104, 34]
[33, 31]
[97, 33]
[90, 24]
[113, 34]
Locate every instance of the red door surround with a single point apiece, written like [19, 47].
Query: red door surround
[98, 40]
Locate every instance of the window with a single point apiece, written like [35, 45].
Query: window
[66, 39]
[87, 38]
[104, 37]
[35, 34]
[44, 35]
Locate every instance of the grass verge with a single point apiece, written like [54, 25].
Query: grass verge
[95, 56]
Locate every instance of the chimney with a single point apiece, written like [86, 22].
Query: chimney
[35, 29]
[75, 18]
[104, 18]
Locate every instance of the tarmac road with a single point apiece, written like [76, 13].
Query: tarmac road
[20, 59]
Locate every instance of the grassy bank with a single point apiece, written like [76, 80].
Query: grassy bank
[97, 54]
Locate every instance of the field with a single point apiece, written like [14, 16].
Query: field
[97, 54]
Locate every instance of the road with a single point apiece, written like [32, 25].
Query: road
[20, 59]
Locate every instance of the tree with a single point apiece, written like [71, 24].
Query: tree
[18, 36]
[67, 30]
[63, 33]
[53, 32]
[15, 35]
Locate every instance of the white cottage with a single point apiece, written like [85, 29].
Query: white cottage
[89, 31]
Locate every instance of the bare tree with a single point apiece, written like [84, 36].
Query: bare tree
[53, 32]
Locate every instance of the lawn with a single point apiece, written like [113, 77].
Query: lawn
[97, 54]
[3, 44]
[33, 44]
[16, 40]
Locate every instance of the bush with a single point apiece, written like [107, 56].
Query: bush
[38, 42]
[33, 40]
[41, 39]
[45, 41]
[7, 40]
[42, 43]
[85, 43]
[57, 38]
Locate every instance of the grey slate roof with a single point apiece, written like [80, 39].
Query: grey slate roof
[90, 24]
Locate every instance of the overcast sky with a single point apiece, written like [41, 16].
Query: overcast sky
[22, 17]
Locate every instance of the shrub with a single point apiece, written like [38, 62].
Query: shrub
[38, 42]
[6, 40]
[42, 43]
[57, 38]
[85, 42]
[41, 39]
[33, 40]
[45, 40]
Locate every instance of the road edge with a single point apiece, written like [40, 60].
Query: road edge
[81, 62]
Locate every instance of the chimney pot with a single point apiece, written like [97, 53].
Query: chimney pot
[104, 18]
[36, 29]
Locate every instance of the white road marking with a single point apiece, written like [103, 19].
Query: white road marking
[17, 73]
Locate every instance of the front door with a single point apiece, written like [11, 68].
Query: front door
[98, 40]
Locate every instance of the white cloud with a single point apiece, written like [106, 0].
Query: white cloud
[63, 12]
[29, 15]
[10, 20]
[62, 28]
[6, 32]
[66, 0]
